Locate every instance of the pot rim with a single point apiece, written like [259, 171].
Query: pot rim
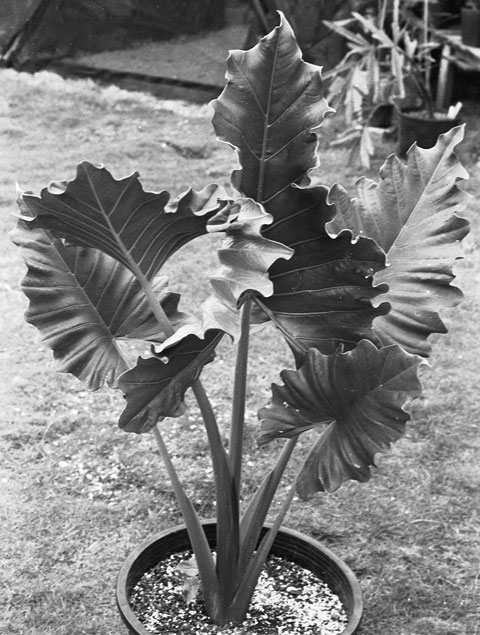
[130, 619]
[409, 113]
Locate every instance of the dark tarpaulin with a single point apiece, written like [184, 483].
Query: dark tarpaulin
[52, 29]
[13, 15]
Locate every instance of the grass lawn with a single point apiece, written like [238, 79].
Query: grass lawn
[77, 494]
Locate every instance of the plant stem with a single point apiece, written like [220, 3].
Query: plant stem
[246, 589]
[258, 507]
[425, 94]
[198, 390]
[209, 420]
[200, 546]
[227, 500]
[239, 395]
[284, 508]
[395, 21]
[228, 512]
[155, 305]
[381, 12]
[428, 65]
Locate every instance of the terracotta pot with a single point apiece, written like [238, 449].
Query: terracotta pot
[290, 545]
[413, 126]
[470, 27]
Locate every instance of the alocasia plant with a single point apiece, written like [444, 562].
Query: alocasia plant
[354, 287]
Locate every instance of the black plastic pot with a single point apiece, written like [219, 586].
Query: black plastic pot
[290, 545]
[413, 126]
[470, 27]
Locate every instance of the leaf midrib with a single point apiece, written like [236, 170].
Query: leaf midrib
[408, 224]
[266, 126]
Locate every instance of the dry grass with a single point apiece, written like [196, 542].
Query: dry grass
[78, 494]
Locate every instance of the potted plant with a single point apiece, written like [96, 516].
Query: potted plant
[422, 124]
[470, 23]
[353, 286]
[369, 76]
[390, 63]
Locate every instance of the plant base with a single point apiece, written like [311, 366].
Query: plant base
[290, 545]
[287, 599]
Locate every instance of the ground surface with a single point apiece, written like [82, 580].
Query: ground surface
[77, 494]
[197, 59]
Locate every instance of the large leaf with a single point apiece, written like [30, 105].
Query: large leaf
[412, 215]
[156, 386]
[322, 296]
[82, 301]
[141, 233]
[359, 395]
[118, 217]
[270, 111]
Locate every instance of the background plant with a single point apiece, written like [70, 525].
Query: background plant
[473, 4]
[389, 62]
[197, 212]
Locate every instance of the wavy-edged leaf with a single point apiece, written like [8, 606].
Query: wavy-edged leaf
[82, 301]
[156, 386]
[270, 111]
[141, 231]
[118, 217]
[323, 295]
[412, 215]
[359, 395]
[246, 256]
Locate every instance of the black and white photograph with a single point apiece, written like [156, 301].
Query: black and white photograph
[240, 316]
